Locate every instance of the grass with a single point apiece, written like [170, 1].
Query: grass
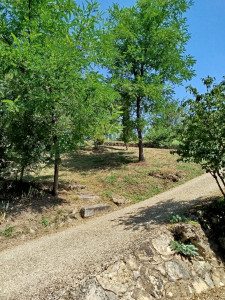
[114, 171]
[7, 232]
[108, 172]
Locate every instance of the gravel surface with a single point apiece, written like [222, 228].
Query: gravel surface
[32, 270]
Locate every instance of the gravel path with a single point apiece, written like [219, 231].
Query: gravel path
[52, 261]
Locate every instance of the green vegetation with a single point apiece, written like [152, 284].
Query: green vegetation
[184, 249]
[108, 172]
[51, 98]
[177, 219]
[148, 53]
[182, 219]
[115, 171]
[45, 221]
[202, 131]
[8, 231]
[163, 125]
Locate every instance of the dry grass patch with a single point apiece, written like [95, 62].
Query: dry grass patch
[111, 171]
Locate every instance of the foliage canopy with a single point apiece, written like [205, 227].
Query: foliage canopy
[48, 82]
[148, 42]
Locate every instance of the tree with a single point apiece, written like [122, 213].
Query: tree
[148, 42]
[163, 124]
[203, 132]
[48, 50]
[26, 139]
[128, 123]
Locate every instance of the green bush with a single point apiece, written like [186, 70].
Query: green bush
[8, 231]
[185, 249]
[45, 221]
[177, 219]
[100, 140]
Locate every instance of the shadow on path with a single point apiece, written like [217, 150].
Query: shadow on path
[158, 213]
[161, 212]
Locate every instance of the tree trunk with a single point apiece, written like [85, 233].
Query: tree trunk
[217, 181]
[22, 173]
[139, 130]
[56, 179]
[96, 147]
[56, 171]
[221, 177]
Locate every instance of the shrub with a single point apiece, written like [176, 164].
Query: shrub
[185, 249]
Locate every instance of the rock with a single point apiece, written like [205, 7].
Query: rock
[88, 198]
[162, 244]
[90, 211]
[139, 294]
[159, 176]
[152, 281]
[201, 267]
[216, 278]
[153, 271]
[172, 177]
[91, 290]
[156, 284]
[187, 232]
[83, 192]
[73, 214]
[136, 274]
[111, 295]
[199, 285]
[203, 249]
[120, 201]
[77, 187]
[176, 270]
[161, 269]
[132, 264]
[209, 281]
[178, 290]
[117, 278]
[144, 253]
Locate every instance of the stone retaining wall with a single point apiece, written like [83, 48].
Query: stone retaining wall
[155, 271]
[145, 145]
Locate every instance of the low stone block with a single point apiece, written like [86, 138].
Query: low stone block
[93, 210]
[120, 201]
[88, 198]
[77, 187]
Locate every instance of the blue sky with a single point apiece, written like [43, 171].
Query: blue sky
[206, 21]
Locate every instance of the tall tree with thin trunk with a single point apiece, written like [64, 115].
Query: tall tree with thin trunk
[48, 50]
[148, 53]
